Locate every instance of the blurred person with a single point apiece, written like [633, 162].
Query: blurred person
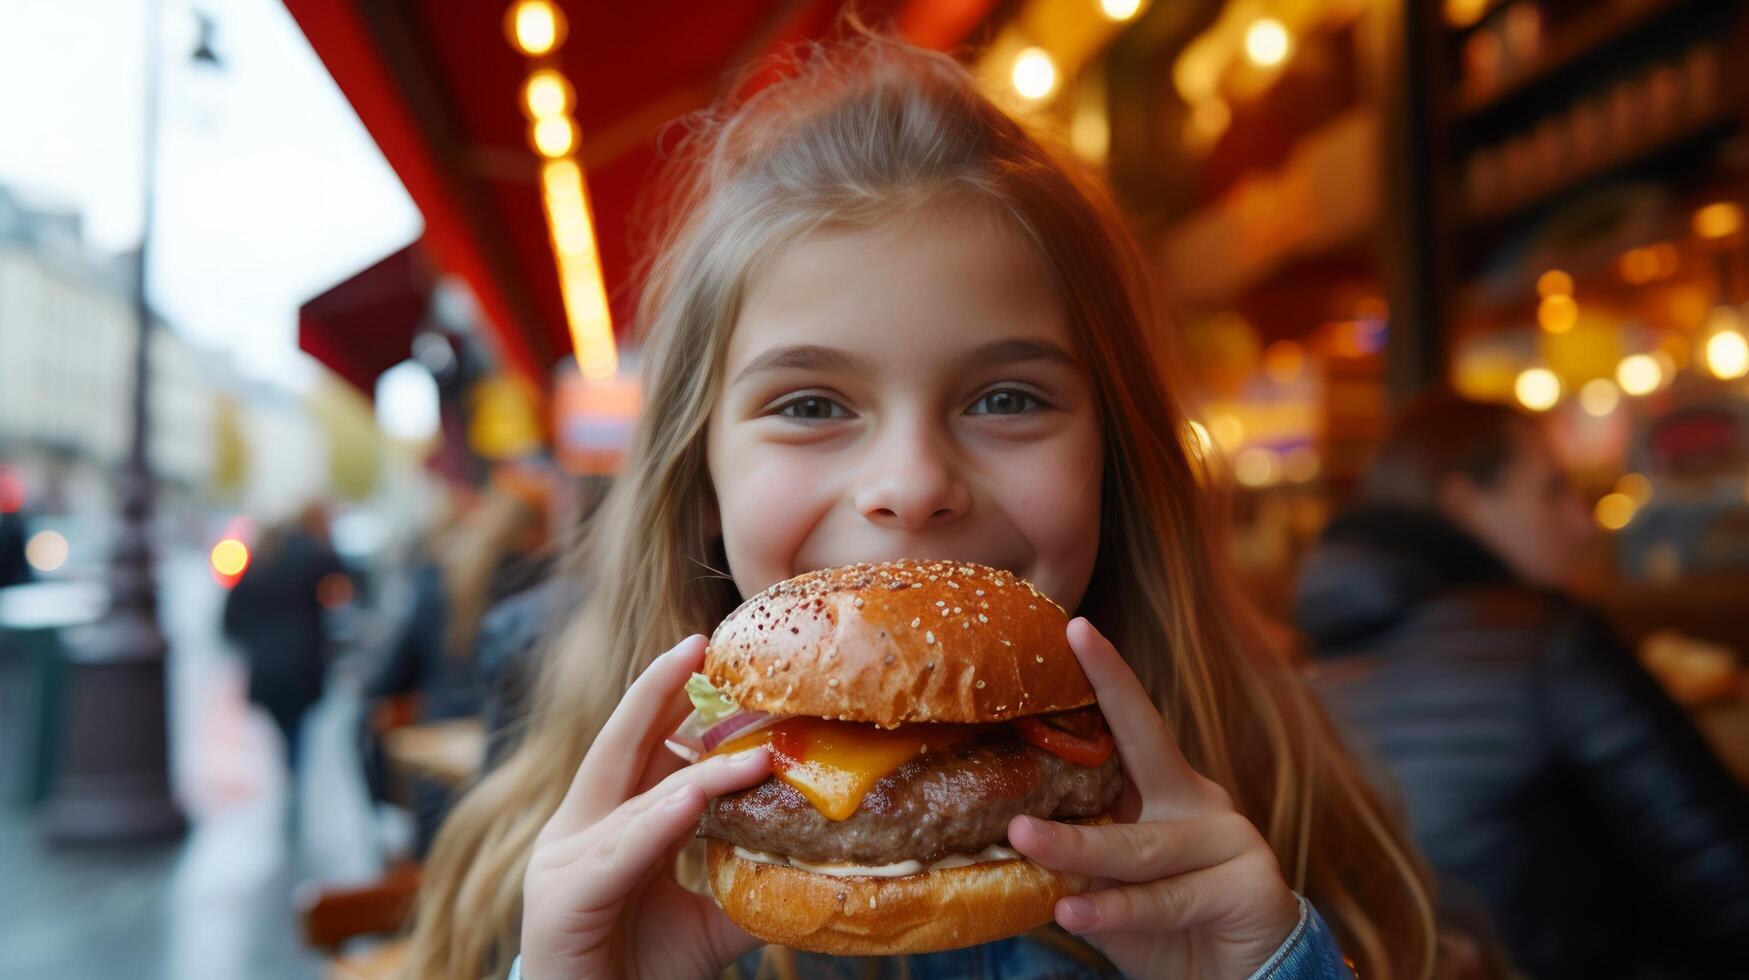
[275, 614]
[494, 550]
[1543, 770]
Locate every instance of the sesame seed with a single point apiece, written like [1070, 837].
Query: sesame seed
[928, 665]
[977, 591]
[889, 658]
[859, 602]
[1040, 658]
[871, 901]
[1000, 584]
[916, 585]
[916, 623]
[979, 685]
[1031, 606]
[953, 585]
[956, 610]
[1007, 643]
[928, 636]
[834, 682]
[940, 603]
[983, 618]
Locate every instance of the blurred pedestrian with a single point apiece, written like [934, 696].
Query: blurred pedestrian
[495, 550]
[1542, 768]
[275, 614]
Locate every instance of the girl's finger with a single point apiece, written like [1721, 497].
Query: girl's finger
[1167, 905]
[610, 770]
[1134, 851]
[625, 844]
[1150, 754]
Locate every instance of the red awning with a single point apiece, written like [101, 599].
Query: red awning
[365, 325]
[436, 83]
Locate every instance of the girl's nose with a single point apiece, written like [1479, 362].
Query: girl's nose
[912, 484]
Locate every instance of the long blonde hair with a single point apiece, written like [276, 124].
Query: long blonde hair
[856, 131]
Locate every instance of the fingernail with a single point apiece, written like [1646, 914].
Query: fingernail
[1075, 913]
[1043, 829]
[678, 797]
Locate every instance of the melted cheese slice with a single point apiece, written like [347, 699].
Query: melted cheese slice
[834, 764]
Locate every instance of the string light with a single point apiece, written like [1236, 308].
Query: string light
[1267, 42]
[1537, 389]
[536, 27]
[1639, 374]
[1035, 74]
[1120, 10]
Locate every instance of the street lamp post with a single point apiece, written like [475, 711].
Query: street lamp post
[113, 782]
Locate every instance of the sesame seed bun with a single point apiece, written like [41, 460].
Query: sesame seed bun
[899, 642]
[865, 916]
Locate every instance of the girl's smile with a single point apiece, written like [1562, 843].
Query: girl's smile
[908, 391]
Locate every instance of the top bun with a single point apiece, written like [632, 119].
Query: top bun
[899, 642]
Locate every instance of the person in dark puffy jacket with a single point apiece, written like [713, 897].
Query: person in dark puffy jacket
[1543, 770]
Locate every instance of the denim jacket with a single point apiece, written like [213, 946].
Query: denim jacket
[1309, 953]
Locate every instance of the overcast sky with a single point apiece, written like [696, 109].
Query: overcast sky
[269, 188]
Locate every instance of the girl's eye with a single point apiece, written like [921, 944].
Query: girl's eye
[1004, 401]
[813, 408]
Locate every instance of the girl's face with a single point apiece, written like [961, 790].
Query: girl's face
[910, 391]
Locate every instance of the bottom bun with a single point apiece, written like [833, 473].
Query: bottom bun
[868, 916]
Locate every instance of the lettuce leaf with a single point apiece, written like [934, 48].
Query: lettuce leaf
[710, 704]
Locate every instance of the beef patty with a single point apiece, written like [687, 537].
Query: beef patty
[941, 803]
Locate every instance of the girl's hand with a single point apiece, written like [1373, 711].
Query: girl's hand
[599, 898]
[1184, 885]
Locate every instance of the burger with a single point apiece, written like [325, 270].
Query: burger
[912, 709]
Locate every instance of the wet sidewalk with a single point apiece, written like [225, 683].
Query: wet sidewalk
[216, 903]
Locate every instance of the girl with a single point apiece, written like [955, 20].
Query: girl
[892, 324]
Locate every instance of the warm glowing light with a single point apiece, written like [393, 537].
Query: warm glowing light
[1197, 73]
[1300, 465]
[536, 27]
[1120, 10]
[1599, 396]
[546, 93]
[1636, 487]
[553, 136]
[46, 551]
[1035, 74]
[1557, 313]
[1228, 431]
[1267, 43]
[1554, 283]
[1615, 510]
[1208, 120]
[580, 281]
[1638, 265]
[1727, 355]
[1284, 360]
[1639, 374]
[1720, 220]
[1537, 389]
[1205, 443]
[230, 557]
[11, 491]
[1257, 467]
[1463, 13]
